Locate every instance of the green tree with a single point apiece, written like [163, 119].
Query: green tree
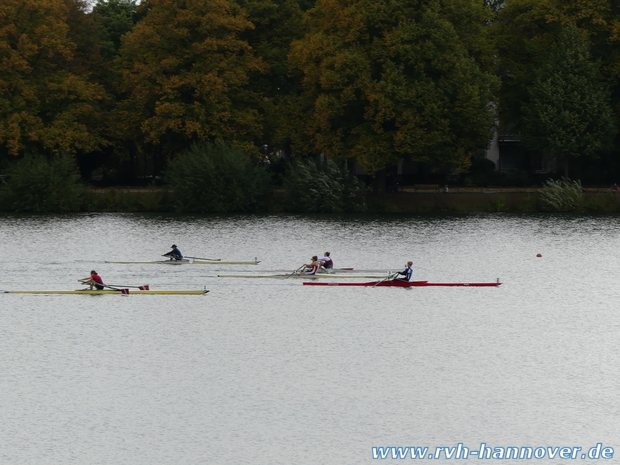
[217, 178]
[42, 184]
[45, 105]
[385, 80]
[114, 19]
[315, 187]
[526, 31]
[184, 73]
[568, 113]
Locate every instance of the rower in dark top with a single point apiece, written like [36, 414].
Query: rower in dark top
[407, 273]
[94, 281]
[174, 254]
[326, 262]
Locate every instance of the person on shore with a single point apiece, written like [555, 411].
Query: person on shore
[407, 273]
[94, 281]
[174, 254]
[326, 262]
[312, 267]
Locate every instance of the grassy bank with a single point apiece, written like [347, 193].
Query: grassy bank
[458, 200]
[129, 200]
[485, 200]
[410, 200]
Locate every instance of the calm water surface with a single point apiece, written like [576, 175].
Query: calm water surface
[269, 371]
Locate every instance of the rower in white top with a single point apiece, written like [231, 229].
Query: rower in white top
[326, 262]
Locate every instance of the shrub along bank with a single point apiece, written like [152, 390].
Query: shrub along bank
[463, 201]
[220, 178]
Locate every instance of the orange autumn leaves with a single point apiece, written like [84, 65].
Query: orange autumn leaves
[42, 102]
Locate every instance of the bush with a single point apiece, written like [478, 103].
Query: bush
[314, 187]
[561, 195]
[483, 172]
[42, 184]
[217, 178]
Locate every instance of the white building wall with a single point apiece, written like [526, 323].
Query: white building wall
[492, 152]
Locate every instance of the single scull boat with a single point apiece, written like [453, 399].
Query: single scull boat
[404, 284]
[318, 275]
[192, 262]
[119, 291]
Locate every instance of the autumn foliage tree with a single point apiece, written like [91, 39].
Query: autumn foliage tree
[276, 24]
[184, 75]
[47, 103]
[385, 80]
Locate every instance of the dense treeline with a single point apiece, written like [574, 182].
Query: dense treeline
[126, 88]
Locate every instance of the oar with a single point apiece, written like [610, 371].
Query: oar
[142, 288]
[296, 271]
[391, 276]
[124, 291]
[210, 259]
[172, 257]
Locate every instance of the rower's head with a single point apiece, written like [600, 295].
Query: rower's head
[93, 272]
[327, 254]
[409, 263]
[314, 258]
[173, 246]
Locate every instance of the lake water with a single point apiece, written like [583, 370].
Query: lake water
[268, 371]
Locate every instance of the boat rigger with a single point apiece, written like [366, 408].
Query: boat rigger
[396, 283]
[106, 291]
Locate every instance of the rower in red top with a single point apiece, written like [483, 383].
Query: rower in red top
[312, 267]
[94, 280]
[326, 262]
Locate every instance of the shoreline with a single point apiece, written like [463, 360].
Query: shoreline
[411, 199]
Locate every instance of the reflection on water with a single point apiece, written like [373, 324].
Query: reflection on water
[274, 372]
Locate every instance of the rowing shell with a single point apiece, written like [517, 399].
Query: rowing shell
[192, 262]
[318, 275]
[110, 292]
[404, 284]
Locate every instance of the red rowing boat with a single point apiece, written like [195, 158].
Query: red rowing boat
[396, 283]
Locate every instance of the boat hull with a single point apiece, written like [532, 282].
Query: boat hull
[405, 284]
[190, 262]
[305, 276]
[103, 292]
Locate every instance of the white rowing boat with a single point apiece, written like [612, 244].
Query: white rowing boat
[191, 262]
[318, 275]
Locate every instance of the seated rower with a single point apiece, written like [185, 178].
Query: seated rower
[407, 273]
[312, 267]
[326, 262]
[174, 254]
[94, 280]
